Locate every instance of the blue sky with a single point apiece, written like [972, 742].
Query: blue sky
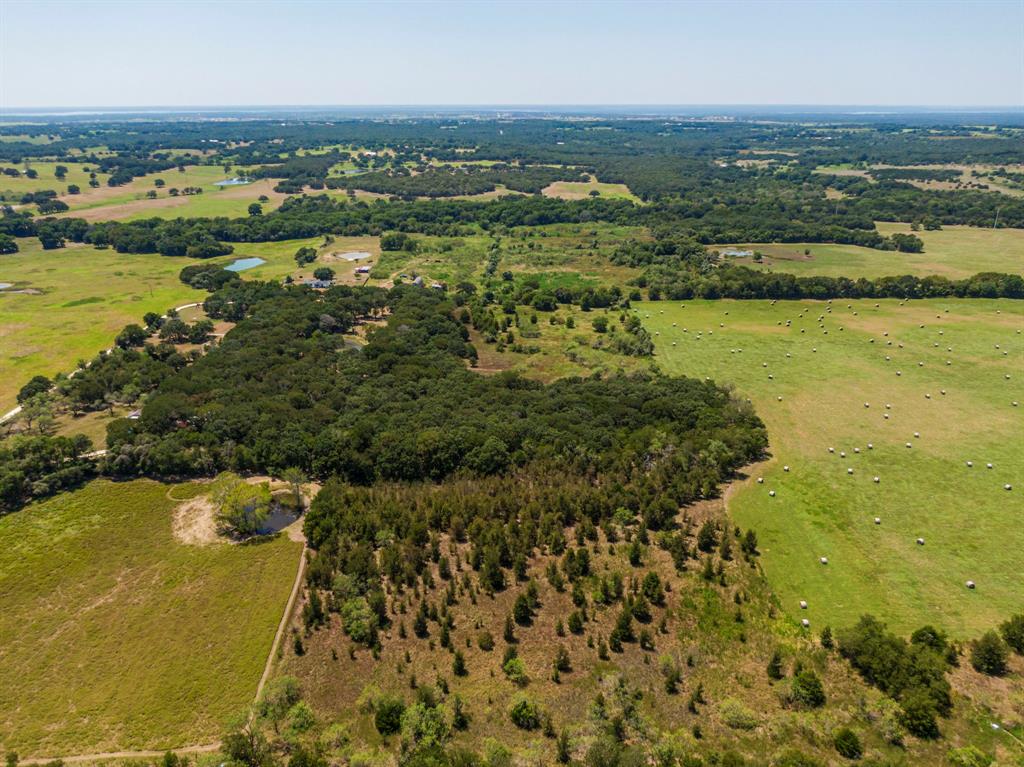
[154, 52]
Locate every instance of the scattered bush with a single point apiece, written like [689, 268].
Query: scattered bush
[847, 743]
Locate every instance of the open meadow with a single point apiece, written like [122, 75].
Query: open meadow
[878, 388]
[69, 304]
[579, 190]
[953, 251]
[98, 590]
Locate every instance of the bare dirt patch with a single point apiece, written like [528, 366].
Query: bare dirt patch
[194, 524]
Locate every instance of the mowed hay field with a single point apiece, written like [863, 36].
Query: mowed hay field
[113, 635]
[970, 524]
[954, 252]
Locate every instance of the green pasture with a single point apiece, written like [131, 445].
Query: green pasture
[827, 387]
[579, 190]
[12, 187]
[115, 636]
[68, 304]
[953, 251]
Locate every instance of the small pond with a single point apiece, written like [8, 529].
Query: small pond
[5, 285]
[278, 520]
[355, 255]
[233, 182]
[241, 264]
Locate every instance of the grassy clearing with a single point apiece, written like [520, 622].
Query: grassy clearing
[85, 297]
[12, 187]
[552, 350]
[106, 203]
[954, 252]
[579, 190]
[115, 636]
[971, 525]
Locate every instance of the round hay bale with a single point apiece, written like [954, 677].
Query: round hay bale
[877, 480]
[785, 468]
[824, 560]
[850, 470]
[989, 466]
[867, 404]
[771, 493]
[909, 445]
[870, 446]
[917, 434]
[780, 399]
[803, 605]
[760, 480]
[831, 449]
[920, 541]
[842, 454]
[856, 450]
[970, 464]
[805, 623]
[1007, 487]
[969, 584]
[878, 520]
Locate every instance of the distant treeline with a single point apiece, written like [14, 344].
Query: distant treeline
[711, 219]
[450, 182]
[915, 174]
[678, 268]
[655, 157]
[728, 281]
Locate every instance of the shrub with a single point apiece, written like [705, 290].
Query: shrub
[918, 714]
[300, 718]
[459, 664]
[848, 744]
[525, 714]
[388, 716]
[736, 715]
[485, 641]
[424, 725]
[989, 654]
[358, 620]
[1013, 633]
[968, 756]
[807, 689]
[516, 671]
